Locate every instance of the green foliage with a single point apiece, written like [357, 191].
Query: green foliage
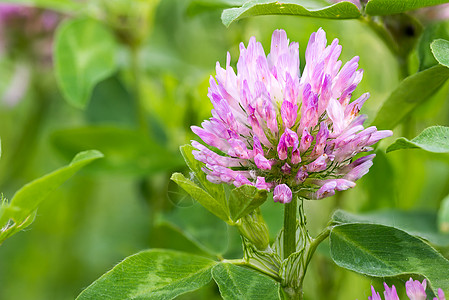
[244, 200]
[227, 206]
[203, 197]
[116, 214]
[430, 33]
[440, 49]
[215, 190]
[85, 53]
[152, 274]
[443, 216]
[387, 7]
[111, 103]
[417, 223]
[382, 251]
[241, 283]
[411, 92]
[126, 151]
[20, 212]
[319, 9]
[433, 139]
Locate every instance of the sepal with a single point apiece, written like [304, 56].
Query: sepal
[254, 229]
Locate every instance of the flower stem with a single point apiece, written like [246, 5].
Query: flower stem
[310, 250]
[244, 263]
[290, 228]
[290, 292]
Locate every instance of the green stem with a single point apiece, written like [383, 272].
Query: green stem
[289, 247]
[290, 228]
[294, 289]
[244, 263]
[403, 67]
[310, 251]
[292, 293]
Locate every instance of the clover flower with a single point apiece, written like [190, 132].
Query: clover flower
[415, 291]
[433, 13]
[27, 18]
[25, 31]
[274, 129]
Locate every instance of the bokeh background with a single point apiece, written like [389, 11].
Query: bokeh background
[112, 210]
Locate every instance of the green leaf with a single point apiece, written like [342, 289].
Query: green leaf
[126, 151]
[433, 139]
[152, 274]
[382, 251]
[111, 103]
[319, 9]
[411, 92]
[443, 217]
[85, 53]
[201, 227]
[20, 212]
[440, 49]
[244, 200]
[200, 195]
[388, 7]
[431, 32]
[65, 6]
[215, 190]
[198, 6]
[237, 282]
[417, 223]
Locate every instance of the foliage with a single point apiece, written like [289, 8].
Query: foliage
[187, 272]
[85, 54]
[432, 139]
[20, 212]
[129, 78]
[382, 251]
[343, 10]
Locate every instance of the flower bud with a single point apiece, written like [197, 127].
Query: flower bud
[254, 228]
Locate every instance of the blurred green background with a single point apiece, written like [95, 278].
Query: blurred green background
[108, 211]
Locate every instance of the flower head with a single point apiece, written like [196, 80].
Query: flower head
[415, 291]
[273, 128]
[8, 11]
[390, 293]
[25, 31]
[375, 295]
[433, 13]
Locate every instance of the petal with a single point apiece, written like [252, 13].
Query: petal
[282, 194]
